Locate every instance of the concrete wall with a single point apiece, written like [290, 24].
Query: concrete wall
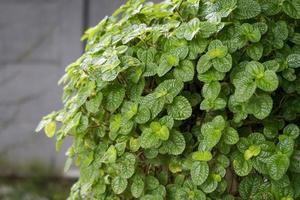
[38, 38]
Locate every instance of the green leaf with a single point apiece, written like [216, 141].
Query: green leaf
[255, 69]
[260, 106]
[148, 139]
[192, 28]
[119, 184]
[146, 55]
[269, 82]
[220, 9]
[114, 97]
[244, 87]
[223, 64]
[180, 109]
[292, 8]
[143, 115]
[202, 156]
[293, 60]
[216, 50]
[255, 51]
[286, 145]
[250, 186]
[199, 172]
[93, 104]
[129, 110]
[277, 165]
[185, 71]
[252, 151]
[110, 155]
[211, 75]
[175, 145]
[167, 61]
[115, 123]
[212, 132]
[291, 130]
[162, 132]
[126, 165]
[230, 136]
[211, 90]
[170, 87]
[151, 182]
[50, 129]
[167, 121]
[249, 33]
[134, 144]
[196, 47]
[241, 166]
[204, 64]
[137, 186]
[295, 160]
[247, 9]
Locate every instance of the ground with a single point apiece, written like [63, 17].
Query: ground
[37, 188]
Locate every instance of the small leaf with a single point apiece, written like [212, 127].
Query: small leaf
[93, 104]
[204, 64]
[119, 184]
[292, 8]
[291, 130]
[211, 90]
[277, 166]
[185, 71]
[216, 50]
[110, 155]
[230, 136]
[192, 28]
[260, 106]
[148, 139]
[167, 61]
[202, 156]
[293, 60]
[180, 109]
[255, 51]
[247, 9]
[199, 172]
[137, 186]
[175, 145]
[269, 82]
[252, 151]
[250, 186]
[114, 97]
[244, 87]
[50, 129]
[223, 64]
[241, 166]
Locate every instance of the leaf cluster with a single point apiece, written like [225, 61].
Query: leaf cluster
[186, 99]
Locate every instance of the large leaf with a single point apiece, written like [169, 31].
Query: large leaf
[247, 9]
[260, 106]
[175, 145]
[268, 82]
[114, 97]
[180, 109]
[199, 172]
[119, 184]
[241, 166]
[185, 71]
[278, 165]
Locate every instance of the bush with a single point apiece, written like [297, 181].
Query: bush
[186, 99]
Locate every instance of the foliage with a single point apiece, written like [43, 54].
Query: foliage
[186, 99]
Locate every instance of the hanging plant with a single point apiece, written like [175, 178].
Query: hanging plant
[186, 99]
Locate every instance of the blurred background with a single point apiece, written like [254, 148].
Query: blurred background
[38, 38]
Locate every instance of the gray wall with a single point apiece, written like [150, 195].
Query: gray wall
[38, 38]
